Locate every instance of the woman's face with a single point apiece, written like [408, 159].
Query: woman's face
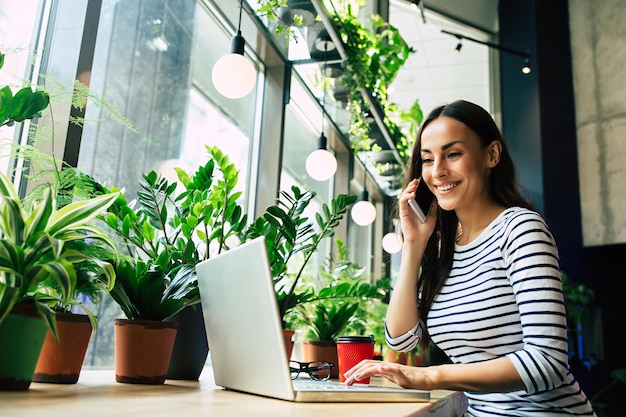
[454, 165]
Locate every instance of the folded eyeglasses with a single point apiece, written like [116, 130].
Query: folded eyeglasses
[317, 370]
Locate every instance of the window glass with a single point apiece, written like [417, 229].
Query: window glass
[302, 128]
[152, 63]
[18, 21]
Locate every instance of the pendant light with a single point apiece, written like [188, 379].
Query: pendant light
[234, 75]
[392, 241]
[321, 164]
[363, 212]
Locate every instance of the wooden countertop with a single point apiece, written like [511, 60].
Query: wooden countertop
[97, 394]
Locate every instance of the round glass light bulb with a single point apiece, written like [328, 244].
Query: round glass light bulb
[234, 75]
[391, 243]
[321, 165]
[363, 213]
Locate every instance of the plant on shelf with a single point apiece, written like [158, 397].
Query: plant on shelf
[374, 57]
[271, 10]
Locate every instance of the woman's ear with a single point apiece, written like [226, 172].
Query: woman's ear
[494, 150]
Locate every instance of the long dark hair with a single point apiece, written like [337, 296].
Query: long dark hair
[503, 188]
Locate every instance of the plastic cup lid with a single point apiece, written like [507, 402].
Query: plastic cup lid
[356, 339]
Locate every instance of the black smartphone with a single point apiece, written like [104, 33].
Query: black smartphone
[422, 202]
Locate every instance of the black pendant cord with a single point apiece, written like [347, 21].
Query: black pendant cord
[240, 14]
[324, 69]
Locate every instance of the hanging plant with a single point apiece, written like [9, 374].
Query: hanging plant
[374, 57]
[270, 10]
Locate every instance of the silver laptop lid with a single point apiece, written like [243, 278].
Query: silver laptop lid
[243, 327]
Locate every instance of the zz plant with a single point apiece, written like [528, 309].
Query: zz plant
[289, 232]
[166, 235]
[343, 298]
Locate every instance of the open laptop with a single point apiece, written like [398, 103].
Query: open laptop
[245, 335]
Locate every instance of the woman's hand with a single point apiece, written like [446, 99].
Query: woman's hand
[403, 375]
[412, 228]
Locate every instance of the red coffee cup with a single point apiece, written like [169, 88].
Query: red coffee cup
[351, 350]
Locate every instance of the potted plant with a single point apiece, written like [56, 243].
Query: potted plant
[61, 360]
[172, 233]
[32, 257]
[343, 302]
[290, 234]
[37, 267]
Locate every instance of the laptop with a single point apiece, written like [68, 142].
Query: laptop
[245, 334]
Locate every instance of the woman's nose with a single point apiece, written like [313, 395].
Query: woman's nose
[440, 168]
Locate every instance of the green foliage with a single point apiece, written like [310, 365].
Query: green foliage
[25, 104]
[173, 233]
[342, 298]
[577, 297]
[374, 57]
[35, 265]
[269, 9]
[149, 290]
[288, 232]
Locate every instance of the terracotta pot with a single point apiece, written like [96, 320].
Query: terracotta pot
[405, 358]
[21, 337]
[321, 351]
[143, 349]
[60, 362]
[288, 338]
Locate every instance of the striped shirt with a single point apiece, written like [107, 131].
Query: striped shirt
[504, 298]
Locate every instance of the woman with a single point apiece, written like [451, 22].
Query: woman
[480, 278]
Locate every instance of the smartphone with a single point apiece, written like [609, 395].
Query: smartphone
[422, 202]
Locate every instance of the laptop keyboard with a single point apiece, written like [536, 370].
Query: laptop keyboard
[312, 385]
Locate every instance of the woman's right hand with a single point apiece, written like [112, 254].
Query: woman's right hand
[412, 228]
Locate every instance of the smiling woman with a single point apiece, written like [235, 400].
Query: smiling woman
[489, 300]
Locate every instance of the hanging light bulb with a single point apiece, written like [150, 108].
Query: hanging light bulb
[363, 212]
[459, 45]
[526, 67]
[321, 164]
[392, 243]
[234, 75]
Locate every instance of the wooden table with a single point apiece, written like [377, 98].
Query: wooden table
[97, 394]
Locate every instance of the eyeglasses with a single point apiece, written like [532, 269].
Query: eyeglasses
[317, 370]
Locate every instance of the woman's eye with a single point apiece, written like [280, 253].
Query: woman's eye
[454, 154]
[426, 160]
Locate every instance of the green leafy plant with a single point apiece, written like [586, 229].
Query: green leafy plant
[374, 57]
[25, 104]
[33, 253]
[289, 232]
[165, 235]
[343, 298]
[270, 8]
[145, 291]
[618, 376]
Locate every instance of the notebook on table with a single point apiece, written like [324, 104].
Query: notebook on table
[245, 335]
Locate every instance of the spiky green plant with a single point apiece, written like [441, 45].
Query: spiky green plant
[33, 253]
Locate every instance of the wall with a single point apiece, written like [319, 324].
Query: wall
[572, 110]
[598, 37]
